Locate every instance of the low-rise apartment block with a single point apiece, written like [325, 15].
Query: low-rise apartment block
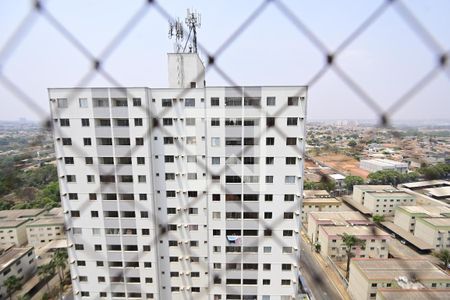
[382, 201]
[17, 262]
[319, 204]
[406, 216]
[332, 245]
[13, 231]
[367, 276]
[340, 218]
[42, 231]
[22, 214]
[315, 194]
[412, 294]
[435, 231]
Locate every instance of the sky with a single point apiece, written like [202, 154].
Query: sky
[386, 60]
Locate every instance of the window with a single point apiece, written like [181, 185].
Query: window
[71, 178]
[142, 178]
[142, 197]
[67, 141]
[292, 121]
[139, 141]
[137, 122]
[121, 102]
[287, 232]
[88, 160]
[292, 101]
[268, 197]
[190, 121]
[291, 160]
[291, 141]
[73, 196]
[270, 101]
[267, 249]
[289, 179]
[105, 141]
[137, 102]
[192, 176]
[166, 102]
[215, 122]
[100, 102]
[215, 101]
[215, 142]
[270, 121]
[215, 160]
[64, 122]
[285, 281]
[168, 140]
[62, 103]
[140, 160]
[233, 141]
[167, 121]
[87, 141]
[189, 102]
[289, 197]
[270, 141]
[252, 101]
[269, 160]
[233, 101]
[267, 215]
[68, 160]
[92, 196]
[269, 179]
[288, 215]
[83, 102]
[94, 214]
[191, 140]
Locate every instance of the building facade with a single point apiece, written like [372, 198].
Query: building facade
[332, 245]
[13, 231]
[18, 262]
[367, 276]
[406, 216]
[42, 231]
[434, 231]
[171, 193]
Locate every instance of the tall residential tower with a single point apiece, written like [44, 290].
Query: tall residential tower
[183, 192]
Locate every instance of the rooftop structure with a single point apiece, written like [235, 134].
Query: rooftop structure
[426, 184]
[21, 213]
[373, 165]
[412, 294]
[316, 194]
[367, 276]
[439, 192]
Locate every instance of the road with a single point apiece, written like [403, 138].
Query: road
[318, 281]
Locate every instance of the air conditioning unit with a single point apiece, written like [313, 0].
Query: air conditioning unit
[179, 225]
[181, 273]
[180, 257]
[186, 242]
[180, 242]
[295, 230]
[297, 213]
[181, 288]
[178, 208]
[186, 226]
[295, 249]
[74, 277]
[66, 212]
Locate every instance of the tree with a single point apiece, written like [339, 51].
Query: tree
[444, 257]
[351, 241]
[46, 272]
[12, 284]
[59, 261]
[317, 247]
[351, 181]
[378, 219]
[385, 177]
[352, 143]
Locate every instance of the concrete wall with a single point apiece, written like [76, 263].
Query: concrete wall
[39, 236]
[358, 286]
[404, 220]
[381, 204]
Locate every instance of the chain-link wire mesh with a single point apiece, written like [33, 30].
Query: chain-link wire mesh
[330, 58]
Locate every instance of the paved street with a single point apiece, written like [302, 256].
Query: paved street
[318, 279]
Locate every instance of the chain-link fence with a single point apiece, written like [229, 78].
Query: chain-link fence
[330, 57]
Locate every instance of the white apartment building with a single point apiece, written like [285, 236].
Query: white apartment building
[434, 231]
[174, 193]
[406, 216]
[376, 242]
[13, 231]
[367, 276]
[319, 204]
[42, 231]
[381, 200]
[17, 262]
[336, 218]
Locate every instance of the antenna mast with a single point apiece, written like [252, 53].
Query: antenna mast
[193, 21]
